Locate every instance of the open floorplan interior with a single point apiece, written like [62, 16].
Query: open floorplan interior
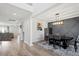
[39, 29]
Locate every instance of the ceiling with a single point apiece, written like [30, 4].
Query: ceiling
[14, 13]
[44, 11]
[42, 7]
[65, 10]
[11, 14]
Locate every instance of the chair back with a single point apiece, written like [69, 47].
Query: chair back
[77, 39]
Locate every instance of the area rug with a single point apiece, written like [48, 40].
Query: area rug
[70, 51]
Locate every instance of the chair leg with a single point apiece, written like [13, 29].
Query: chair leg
[75, 46]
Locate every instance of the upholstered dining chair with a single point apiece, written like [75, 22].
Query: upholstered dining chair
[76, 43]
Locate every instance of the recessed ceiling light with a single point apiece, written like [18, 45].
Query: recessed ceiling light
[14, 13]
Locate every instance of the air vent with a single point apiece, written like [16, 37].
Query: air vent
[11, 20]
[29, 4]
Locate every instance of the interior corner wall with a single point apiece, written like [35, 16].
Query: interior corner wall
[26, 29]
[31, 34]
[36, 34]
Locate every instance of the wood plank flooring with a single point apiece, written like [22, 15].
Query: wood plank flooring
[19, 48]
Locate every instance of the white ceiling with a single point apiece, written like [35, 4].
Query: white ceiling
[22, 11]
[66, 10]
[42, 7]
[24, 6]
[7, 11]
[43, 11]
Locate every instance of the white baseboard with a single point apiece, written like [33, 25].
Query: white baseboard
[28, 43]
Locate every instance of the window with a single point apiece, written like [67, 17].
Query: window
[3, 29]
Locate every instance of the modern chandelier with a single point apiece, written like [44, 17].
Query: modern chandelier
[58, 22]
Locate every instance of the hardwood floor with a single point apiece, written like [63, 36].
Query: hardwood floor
[19, 48]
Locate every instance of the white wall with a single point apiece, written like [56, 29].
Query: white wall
[27, 31]
[36, 34]
[31, 34]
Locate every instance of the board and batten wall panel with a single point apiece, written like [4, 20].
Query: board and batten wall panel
[36, 34]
